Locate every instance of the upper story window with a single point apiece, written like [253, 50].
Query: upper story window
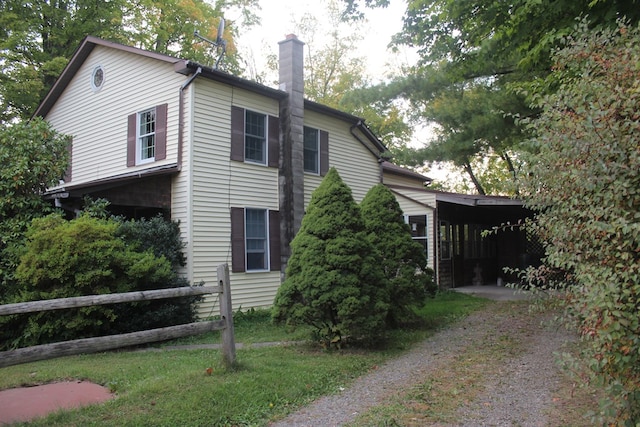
[255, 137]
[146, 146]
[311, 150]
[147, 136]
[97, 78]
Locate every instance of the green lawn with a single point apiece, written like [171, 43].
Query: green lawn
[172, 388]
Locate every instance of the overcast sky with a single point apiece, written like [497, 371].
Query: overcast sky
[278, 17]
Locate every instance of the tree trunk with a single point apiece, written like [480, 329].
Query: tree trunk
[469, 170]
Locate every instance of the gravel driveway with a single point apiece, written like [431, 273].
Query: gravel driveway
[517, 389]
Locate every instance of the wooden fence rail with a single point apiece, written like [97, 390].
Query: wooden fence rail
[92, 345]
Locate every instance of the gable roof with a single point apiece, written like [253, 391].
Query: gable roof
[188, 67]
[181, 66]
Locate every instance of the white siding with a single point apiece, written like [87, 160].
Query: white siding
[357, 166]
[219, 184]
[416, 202]
[393, 179]
[98, 120]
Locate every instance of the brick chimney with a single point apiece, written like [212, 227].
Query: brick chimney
[291, 179]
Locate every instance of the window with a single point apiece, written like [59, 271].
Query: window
[445, 240]
[255, 137]
[255, 240]
[147, 136]
[146, 145]
[97, 78]
[311, 150]
[418, 226]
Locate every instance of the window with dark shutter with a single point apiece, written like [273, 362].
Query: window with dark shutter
[237, 240]
[249, 244]
[237, 134]
[274, 240]
[255, 137]
[324, 152]
[147, 136]
[274, 141]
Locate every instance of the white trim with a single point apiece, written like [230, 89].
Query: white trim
[94, 87]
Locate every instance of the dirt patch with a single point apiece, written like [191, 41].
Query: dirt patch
[28, 403]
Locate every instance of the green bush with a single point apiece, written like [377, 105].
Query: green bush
[334, 281]
[583, 181]
[87, 256]
[33, 157]
[404, 261]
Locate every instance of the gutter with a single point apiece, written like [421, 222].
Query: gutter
[181, 114]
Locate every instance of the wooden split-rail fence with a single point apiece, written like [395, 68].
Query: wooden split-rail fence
[110, 342]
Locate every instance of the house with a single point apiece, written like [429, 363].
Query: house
[234, 161]
[453, 229]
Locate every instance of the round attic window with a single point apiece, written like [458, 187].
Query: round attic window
[97, 78]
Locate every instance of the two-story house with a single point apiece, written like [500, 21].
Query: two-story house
[234, 161]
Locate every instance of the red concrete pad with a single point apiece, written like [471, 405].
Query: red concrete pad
[27, 403]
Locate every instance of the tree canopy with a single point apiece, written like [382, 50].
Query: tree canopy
[38, 39]
[479, 64]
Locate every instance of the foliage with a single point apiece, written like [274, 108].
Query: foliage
[334, 281]
[36, 42]
[336, 77]
[88, 256]
[403, 260]
[33, 157]
[474, 58]
[583, 181]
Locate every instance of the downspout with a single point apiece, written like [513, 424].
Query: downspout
[181, 113]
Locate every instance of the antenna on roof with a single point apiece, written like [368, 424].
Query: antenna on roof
[220, 44]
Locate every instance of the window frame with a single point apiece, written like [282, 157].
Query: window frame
[316, 151]
[140, 136]
[160, 140]
[250, 249]
[263, 139]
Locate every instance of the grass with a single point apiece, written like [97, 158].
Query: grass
[172, 388]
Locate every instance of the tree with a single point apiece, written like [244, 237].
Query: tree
[582, 180]
[33, 157]
[39, 39]
[403, 260]
[475, 59]
[335, 77]
[334, 281]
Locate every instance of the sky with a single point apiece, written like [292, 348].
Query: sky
[278, 18]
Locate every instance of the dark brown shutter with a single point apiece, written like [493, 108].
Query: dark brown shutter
[273, 142]
[67, 174]
[161, 132]
[132, 122]
[324, 152]
[237, 133]
[274, 240]
[237, 240]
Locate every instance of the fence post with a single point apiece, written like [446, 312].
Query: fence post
[226, 314]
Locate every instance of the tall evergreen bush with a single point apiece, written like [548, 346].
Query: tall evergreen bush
[404, 261]
[334, 281]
